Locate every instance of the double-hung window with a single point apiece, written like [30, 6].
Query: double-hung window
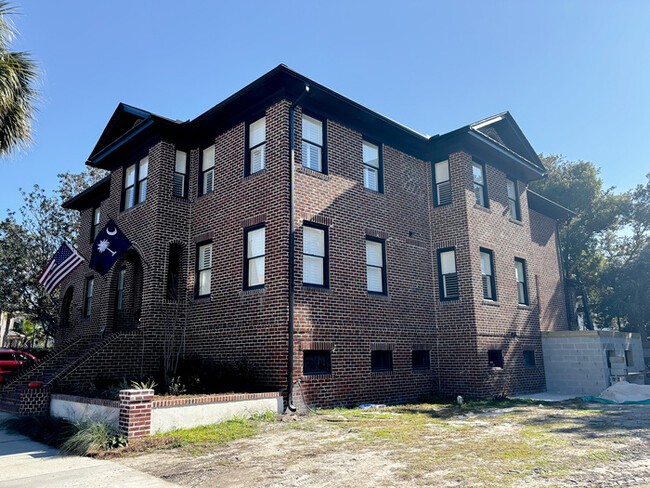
[448, 277]
[204, 269]
[135, 183]
[480, 188]
[522, 285]
[487, 275]
[256, 146]
[94, 227]
[254, 245]
[376, 265]
[442, 183]
[313, 143]
[88, 296]
[180, 174]
[513, 199]
[372, 167]
[120, 289]
[207, 170]
[314, 255]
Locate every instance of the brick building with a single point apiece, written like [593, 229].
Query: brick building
[419, 264]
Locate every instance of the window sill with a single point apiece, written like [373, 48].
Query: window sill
[490, 303]
[373, 192]
[205, 299]
[379, 296]
[172, 301]
[199, 197]
[316, 376]
[176, 198]
[495, 368]
[421, 370]
[516, 222]
[253, 175]
[253, 291]
[316, 288]
[481, 208]
[448, 300]
[380, 372]
[311, 172]
[521, 306]
[137, 205]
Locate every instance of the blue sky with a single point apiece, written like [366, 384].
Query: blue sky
[574, 74]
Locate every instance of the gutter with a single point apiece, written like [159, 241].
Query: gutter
[292, 247]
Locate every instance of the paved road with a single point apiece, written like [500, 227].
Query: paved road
[28, 464]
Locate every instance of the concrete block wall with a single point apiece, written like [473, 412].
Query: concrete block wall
[575, 362]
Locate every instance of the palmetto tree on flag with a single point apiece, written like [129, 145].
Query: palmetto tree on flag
[103, 246]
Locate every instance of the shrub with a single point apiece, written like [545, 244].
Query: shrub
[92, 436]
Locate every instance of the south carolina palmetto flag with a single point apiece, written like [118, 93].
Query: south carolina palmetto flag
[64, 262]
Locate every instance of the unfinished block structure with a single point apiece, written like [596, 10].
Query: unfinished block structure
[346, 257]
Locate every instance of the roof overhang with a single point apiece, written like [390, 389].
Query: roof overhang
[90, 196]
[548, 207]
[486, 149]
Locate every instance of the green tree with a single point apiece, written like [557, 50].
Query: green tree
[18, 88]
[29, 239]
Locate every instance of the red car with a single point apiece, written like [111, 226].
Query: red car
[11, 361]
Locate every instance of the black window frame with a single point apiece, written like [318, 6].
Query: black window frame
[88, 299]
[174, 263]
[441, 288]
[422, 354]
[529, 359]
[486, 200]
[184, 175]
[137, 182]
[377, 362]
[495, 354]
[94, 227]
[247, 159]
[380, 169]
[247, 259]
[119, 291]
[493, 283]
[323, 147]
[197, 270]
[202, 172]
[516, 202]
[311, 354]
[326, 267]
[525, 282]
[436, 184]
[384, 273]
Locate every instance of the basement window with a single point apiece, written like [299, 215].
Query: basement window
[421, 360]
[495, 359]
[381, 361]
[317, 362]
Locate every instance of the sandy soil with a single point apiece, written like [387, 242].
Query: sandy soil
[565, 444]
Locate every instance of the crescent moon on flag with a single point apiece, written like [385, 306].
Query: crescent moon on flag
[111, 233]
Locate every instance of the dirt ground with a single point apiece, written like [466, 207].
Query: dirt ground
[530, 445]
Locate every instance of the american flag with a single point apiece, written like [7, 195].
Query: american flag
[64, 262]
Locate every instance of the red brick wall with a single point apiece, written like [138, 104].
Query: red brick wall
[233, 324]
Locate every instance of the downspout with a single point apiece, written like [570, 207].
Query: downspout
[292, 248]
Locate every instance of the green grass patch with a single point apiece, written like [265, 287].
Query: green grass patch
[199, 439]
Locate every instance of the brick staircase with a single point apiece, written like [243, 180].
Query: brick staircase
[52, 368]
